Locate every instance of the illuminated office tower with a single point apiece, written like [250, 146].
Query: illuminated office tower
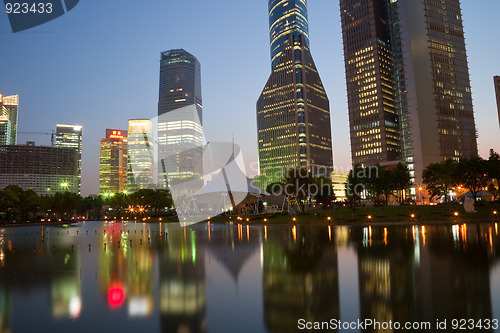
[179, 117]
[140, 154]
[113, 163]
[9, 107]
[406, 66]
[371, 95]
[293, 111]
[497, 91]
[70, 136]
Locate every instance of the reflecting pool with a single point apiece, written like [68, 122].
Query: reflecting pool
[135, 277]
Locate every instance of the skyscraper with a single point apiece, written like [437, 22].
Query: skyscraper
[179, 117]
[293, 112]
[70, 136]
[113, 162]
[496, 79]
[9, 107]
[140, 154]
[407, 82]
[46, 170]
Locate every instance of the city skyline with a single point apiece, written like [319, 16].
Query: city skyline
[77, 97]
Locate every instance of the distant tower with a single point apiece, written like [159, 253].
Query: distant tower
[407, 83]
[179, 117]
[9, 108]
[113, 162]
[497, 91]
[70, 136]
[140, 154]
[293, 111]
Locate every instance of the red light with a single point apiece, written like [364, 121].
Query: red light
[116, 295]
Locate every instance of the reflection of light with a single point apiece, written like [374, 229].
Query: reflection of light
[248, 232]
[385, 236]
[496, 229]
[330, 233]
[491, 240]
[265, 231]
[75, 307]
[294, 232]
[139, 307]
[423, 235]
[116, 295]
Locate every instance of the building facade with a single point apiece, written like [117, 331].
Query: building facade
[70, 136]
[180, 132]
[496, 79]
[113, 163]
[9, 108]
[140, 154]
[293, 111]
[46, 170]
[408, 82]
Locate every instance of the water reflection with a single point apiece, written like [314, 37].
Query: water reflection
[234, 277]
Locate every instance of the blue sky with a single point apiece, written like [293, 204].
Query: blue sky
[98, 66]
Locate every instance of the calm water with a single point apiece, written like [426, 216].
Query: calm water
[129, 277]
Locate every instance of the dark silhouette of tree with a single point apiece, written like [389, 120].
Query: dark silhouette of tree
[440, 178]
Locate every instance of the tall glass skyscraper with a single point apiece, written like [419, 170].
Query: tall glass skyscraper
[407, 82]
[293, 111]
[70, 136]
[9, 107]
[286, 18]
[179, 117]
[140, 154]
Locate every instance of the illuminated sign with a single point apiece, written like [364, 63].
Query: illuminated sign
[116, 134]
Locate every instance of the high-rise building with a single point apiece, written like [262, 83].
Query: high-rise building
[70, 136]
[140, 154]
[9, 107]
[46, 170]
[113, 162]
[293, 111]
[407, 82]
[496, 79]
[179, 118]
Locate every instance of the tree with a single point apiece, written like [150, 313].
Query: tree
[10, 201]
[298, 183]
[471, 173]
[494, 168]
[355, 185]
[401, 179]
[440, 178]
[325, 195]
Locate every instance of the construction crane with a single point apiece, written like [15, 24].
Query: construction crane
[52, 135]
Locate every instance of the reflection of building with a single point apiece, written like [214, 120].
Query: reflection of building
[300, 278]
[5, 310]
[9, 107]
[406, 71]
[140, 154]
[113, 162]
[182, 284]
[44, 169]
[496, 79]
[388, 285]
[70, 136]
[293, 111]
[179, 117]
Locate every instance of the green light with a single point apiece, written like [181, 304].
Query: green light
[64, 184]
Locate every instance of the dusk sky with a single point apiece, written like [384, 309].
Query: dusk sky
[98, 66]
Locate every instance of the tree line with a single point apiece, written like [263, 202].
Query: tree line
[17, 204]
[473, 174]
[377, 183]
